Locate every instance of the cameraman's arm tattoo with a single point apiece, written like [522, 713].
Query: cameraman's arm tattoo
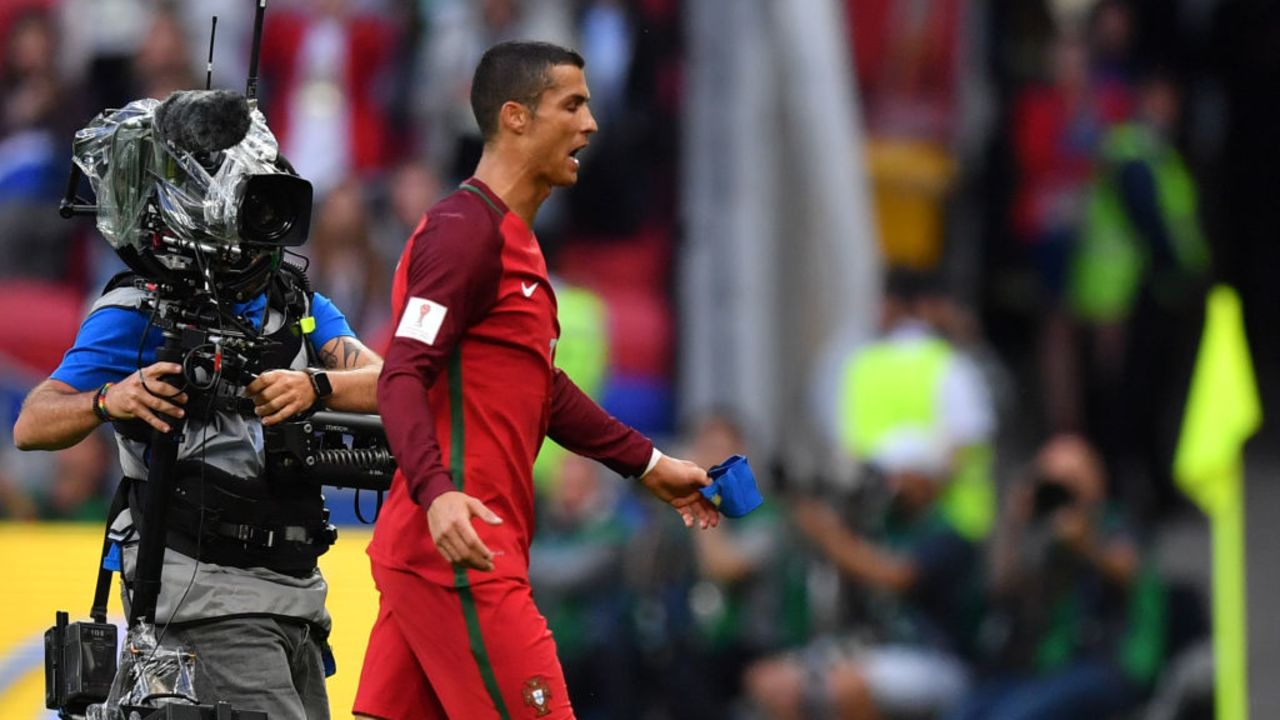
[345, 353]
[353, 374]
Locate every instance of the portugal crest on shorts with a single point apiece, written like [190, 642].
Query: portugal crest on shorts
[537, 695]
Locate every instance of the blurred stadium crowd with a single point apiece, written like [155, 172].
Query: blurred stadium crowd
[1036, 170]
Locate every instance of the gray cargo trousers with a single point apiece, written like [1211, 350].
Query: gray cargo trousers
[257, 663]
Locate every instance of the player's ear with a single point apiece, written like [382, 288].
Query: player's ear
[514, 116]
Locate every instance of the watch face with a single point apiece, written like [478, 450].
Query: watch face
[320, 382]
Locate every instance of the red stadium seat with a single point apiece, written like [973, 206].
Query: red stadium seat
[640, 332]
[642, 260]
[38, 322]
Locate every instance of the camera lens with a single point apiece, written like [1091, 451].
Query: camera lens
[275, 210]
[1051, 494]
[267, 218]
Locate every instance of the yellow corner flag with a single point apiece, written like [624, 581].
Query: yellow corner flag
[1222, 411]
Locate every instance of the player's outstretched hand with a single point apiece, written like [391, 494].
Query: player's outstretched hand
[449, 518]
[677, 482]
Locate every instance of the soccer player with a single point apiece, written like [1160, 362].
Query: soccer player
[468, 392]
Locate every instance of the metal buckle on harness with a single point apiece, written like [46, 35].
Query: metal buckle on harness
[269, 538]
[253, 534]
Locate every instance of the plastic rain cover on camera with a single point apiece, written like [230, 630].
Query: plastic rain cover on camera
[129, 166]
[149, 676]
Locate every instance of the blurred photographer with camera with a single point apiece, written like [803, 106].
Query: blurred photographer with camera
[1078, 621]
[917, 581]
[239, 585]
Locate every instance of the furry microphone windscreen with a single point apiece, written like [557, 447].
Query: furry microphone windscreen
[203, 121]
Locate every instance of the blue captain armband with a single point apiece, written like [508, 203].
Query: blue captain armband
[733, 488]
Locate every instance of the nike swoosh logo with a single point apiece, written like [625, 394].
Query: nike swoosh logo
[528, 289]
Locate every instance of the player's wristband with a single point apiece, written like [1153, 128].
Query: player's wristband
[653, 461]
[100, 403]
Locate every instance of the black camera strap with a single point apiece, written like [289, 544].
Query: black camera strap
[102, 593]
[296, 299]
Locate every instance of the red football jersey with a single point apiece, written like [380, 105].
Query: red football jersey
[469, 388]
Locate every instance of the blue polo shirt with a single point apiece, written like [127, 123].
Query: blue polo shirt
[110, 345]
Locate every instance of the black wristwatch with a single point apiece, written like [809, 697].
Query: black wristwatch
[320, 383]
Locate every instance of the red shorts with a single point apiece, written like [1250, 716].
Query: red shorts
[475, 652]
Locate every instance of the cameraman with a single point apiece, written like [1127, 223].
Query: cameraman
[1080, 618]
[250, 605]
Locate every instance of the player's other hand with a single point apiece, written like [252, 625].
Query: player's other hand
[677, 482]
[280, 394]
[449, 518]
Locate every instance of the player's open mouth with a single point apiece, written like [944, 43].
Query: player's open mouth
[573, 155]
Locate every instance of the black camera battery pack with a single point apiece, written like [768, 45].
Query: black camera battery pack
[80, 663]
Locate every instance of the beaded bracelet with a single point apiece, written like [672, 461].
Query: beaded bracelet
[100, 403]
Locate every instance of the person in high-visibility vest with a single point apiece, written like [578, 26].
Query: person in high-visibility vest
[1142, 225]
[1137, 281]
[911, 378]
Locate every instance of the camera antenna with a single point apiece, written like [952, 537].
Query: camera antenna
[251, 87]
[208, 68]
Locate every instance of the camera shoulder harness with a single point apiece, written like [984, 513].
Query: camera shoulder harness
[102, 591]
[220, 518]
[247, 523]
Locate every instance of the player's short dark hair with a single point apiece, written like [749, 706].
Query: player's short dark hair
[517, 70]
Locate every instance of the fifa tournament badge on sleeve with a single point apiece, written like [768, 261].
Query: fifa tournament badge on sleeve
[733, 487]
